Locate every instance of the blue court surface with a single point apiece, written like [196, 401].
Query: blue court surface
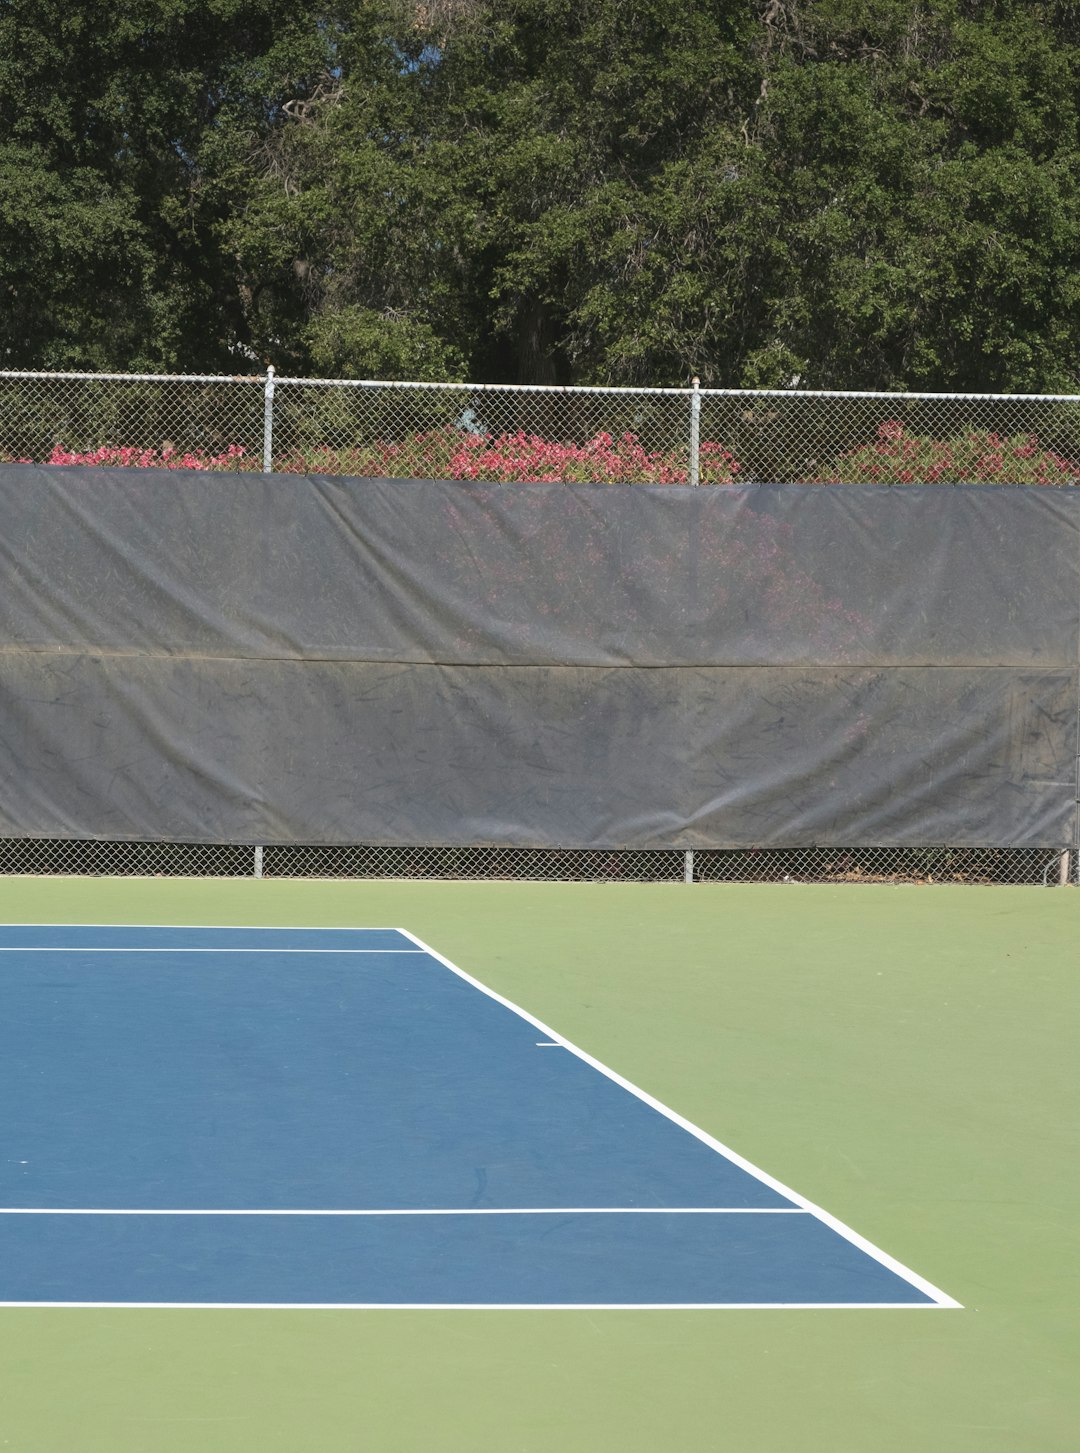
[340, 1117]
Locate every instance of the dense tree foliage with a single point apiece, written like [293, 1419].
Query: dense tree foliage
[875, 193]
[109, 248]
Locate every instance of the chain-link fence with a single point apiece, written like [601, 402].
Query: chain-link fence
[532, 433]
[977, 866]
[132, 419]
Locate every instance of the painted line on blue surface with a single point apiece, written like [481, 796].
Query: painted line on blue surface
[411, 1211]
[495, 1306]
[221, 927]
[938, 1297]
[68, 948]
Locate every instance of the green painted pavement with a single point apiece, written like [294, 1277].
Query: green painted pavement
[903, 1056]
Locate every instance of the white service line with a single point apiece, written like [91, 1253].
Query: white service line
[426, 1211]
[224, 927]
[79, 949]
[497, 1306]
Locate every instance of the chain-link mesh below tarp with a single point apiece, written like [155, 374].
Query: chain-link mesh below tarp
[931, 865]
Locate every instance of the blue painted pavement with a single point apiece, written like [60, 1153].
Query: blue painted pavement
[165, 1070]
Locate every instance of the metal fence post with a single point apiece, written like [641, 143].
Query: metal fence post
[268, 421]
[695, 431]
[258, 864]
[688, 866]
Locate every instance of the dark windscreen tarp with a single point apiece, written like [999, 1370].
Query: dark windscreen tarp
[253, 658]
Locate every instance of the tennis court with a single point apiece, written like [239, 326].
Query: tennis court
[900, 1057]
[321, 1117]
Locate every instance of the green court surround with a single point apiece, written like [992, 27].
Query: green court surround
[905, 1057]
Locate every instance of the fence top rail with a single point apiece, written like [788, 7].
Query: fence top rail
[515, 388]
[635, 392]
[28, 374]
[811, 393]
[73, 376]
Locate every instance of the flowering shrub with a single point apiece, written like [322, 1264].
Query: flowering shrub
[445, 453]
[978, 457]
[122, 457]
[520, 457]
[895, 457]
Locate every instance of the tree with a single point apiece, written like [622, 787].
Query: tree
[871, 193]
[108, 251]
[834, 193]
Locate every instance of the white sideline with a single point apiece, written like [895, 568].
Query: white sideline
[938, 1297]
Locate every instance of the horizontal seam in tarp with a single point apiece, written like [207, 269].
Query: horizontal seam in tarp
[95, 653]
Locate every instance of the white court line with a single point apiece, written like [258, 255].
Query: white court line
[224, 927]
[451, 1211]
[939, 1298]
[496, 1306]
[67, 948]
